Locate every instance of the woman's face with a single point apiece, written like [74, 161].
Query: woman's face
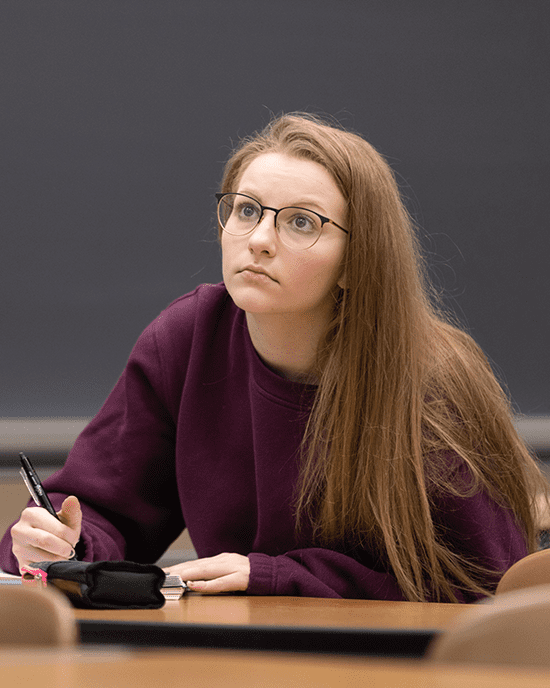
[260, 272]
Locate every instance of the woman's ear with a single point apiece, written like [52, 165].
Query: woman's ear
[342, 281]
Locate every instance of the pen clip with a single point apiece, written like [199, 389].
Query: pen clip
[30, 487]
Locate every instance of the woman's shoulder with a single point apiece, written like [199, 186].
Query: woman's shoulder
[206, 302]
[204, 295]
[186, 325]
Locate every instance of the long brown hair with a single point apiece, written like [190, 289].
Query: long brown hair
[407, 406]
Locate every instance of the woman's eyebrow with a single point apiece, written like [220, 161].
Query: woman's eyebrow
[308, 204]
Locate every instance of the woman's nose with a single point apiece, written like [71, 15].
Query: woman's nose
[264, 235]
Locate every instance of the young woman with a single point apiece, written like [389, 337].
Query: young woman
[317, 424]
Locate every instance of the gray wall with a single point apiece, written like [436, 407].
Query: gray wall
[116, 117]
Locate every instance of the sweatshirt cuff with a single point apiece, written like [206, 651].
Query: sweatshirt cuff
[263, 577]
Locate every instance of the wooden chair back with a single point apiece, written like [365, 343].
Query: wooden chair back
[532, 570]
[512, 629]
[35, 617]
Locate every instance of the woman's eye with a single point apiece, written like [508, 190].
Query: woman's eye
[247, 211]
[302, 224]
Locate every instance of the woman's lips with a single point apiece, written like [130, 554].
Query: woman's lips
[254, 273]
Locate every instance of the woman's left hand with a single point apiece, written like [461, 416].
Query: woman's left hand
[222, 573]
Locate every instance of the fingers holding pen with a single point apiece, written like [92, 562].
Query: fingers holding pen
[39, 536]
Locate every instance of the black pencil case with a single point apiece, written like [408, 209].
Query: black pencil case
[107, 584]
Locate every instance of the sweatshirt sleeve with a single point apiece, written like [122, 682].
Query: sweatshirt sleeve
[121, 468]
[316, 572]
[477, 527]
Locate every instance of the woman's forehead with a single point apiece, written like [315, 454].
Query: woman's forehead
[290, 180]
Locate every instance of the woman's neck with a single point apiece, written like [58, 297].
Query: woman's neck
[287, 344]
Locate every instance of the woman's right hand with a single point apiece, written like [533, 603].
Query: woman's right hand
[38, 536]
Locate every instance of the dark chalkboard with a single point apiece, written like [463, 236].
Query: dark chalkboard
[117, 115]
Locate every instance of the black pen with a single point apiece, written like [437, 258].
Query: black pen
[34, 485]
[32, 481]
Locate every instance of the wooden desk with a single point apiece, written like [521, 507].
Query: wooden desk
[402, 629]
[289, 611]
[200, 669]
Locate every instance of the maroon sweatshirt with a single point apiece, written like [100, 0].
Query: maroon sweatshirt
[199, 433]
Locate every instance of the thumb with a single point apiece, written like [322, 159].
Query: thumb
[71, 514]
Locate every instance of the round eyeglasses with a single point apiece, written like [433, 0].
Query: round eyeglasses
[298, 228]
